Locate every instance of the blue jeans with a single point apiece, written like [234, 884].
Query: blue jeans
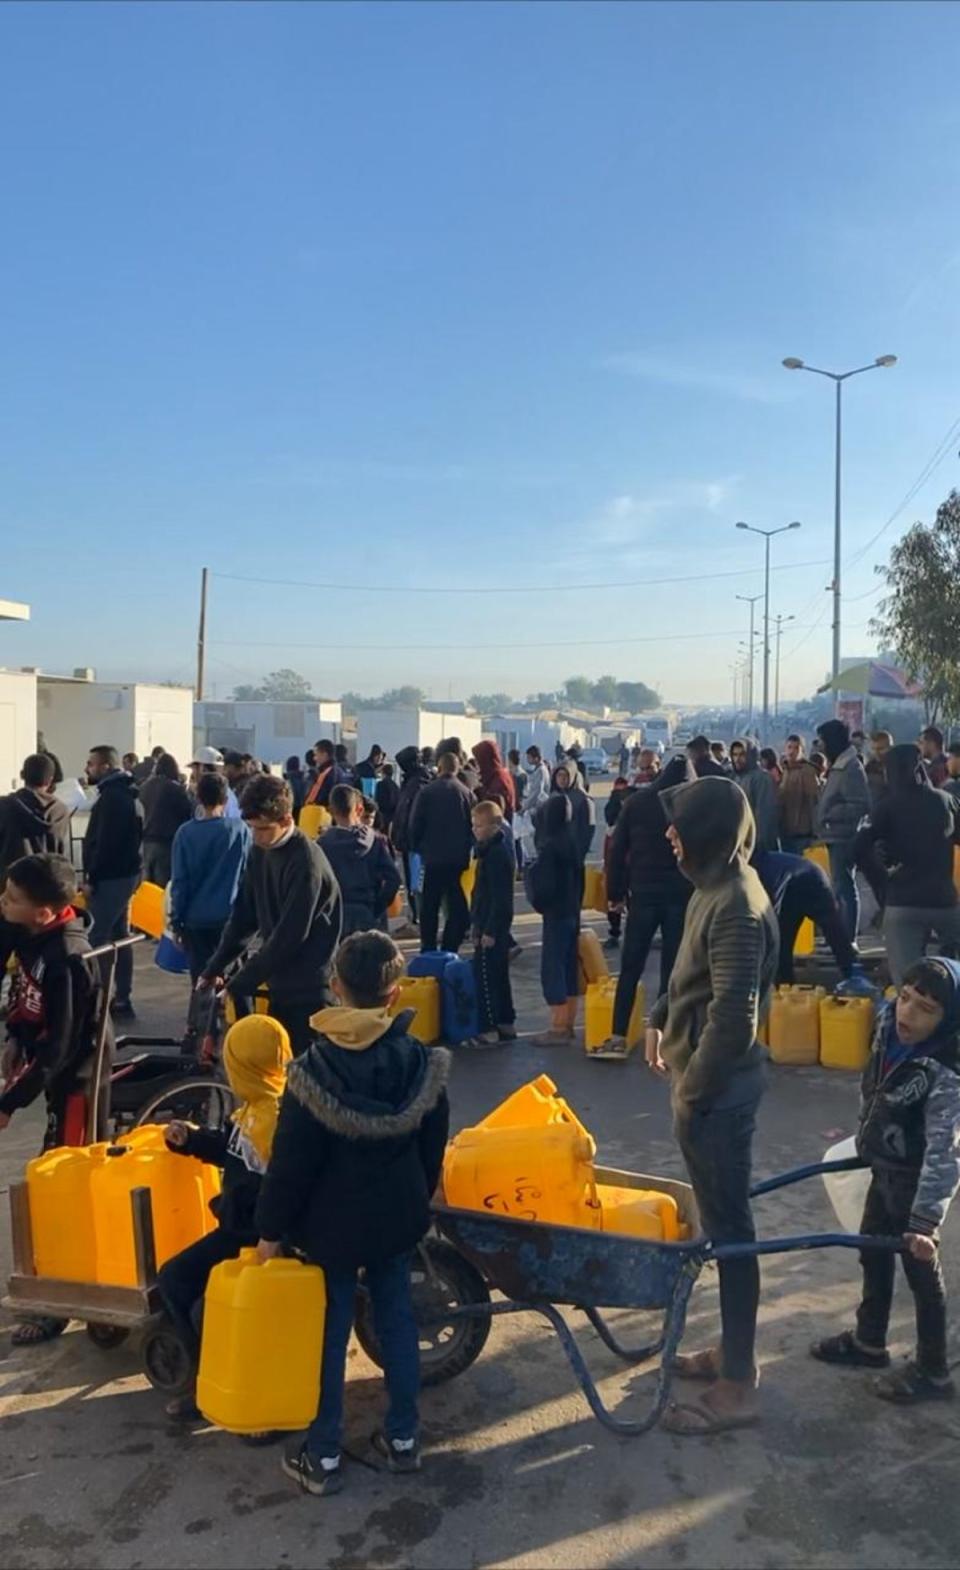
[558, 959]
[389, 1288]
[844, 876]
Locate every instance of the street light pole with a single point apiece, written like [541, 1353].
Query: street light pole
[768, 535]
[751, 601]
[776, 686]
[882, 362]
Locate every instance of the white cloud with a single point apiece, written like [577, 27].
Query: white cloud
[675, 371]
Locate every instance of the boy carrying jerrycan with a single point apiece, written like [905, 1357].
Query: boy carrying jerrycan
[358, 1153]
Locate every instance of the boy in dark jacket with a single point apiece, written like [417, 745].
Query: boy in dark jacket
[358, 1153]
[33, 820]
[441, 832]
[491, 914]
[113, 863]
[256, 1054]
[361, 862]
[909, 1136]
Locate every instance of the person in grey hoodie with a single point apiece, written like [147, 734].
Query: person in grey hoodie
[760, 790]
[361, 862]
[704, 1034]
[844, 803]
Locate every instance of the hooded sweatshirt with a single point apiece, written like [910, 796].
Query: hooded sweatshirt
[728, 955]
[906, 849]
[32, 822]
[496, 782]
[111, 845]
[554, 880]
[641, 861]
[366, 872]
[360, 1141]
[581, 807]
[53, 1009]
[845, 796]
[760, 790]
[414, 776]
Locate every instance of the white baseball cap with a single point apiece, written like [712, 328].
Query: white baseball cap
[209, 755]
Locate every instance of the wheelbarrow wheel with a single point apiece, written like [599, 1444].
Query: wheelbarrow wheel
[167, 1363]
[107, 1336]
[444, 1280]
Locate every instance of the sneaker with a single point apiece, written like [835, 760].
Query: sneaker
[401, 1455]
[315, 1475]
[613, 1047]
[856, 985]
[507, 1033]
[482, 1043]
[120, 1010]
[552, 1038]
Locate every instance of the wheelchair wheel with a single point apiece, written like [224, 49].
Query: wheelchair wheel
[206, 1102]
[167, 1363]
[442, 1280]
[107, 1336]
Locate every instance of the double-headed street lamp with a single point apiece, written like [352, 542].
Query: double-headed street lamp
[768, 535]
[776, 680]
[882, 362]
[750, 600]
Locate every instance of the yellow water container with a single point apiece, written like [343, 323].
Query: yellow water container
[534, 1105]
[421, 993]
[468, 878]
[61, 1212]
[591, 964]
[598, 1013]
[821, 855]
[793, 1025]
[146, 910]
[639, 1212]
[594, 890]
[846, 1027]
[261, 1005]
[262, 1345]
[313, 820]
[535, 1174]
[806, 939]
[956, 865]
[181, 1189]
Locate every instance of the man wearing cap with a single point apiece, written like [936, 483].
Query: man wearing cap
[207, 760]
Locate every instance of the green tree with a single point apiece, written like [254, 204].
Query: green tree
[919, 617]
[400, 698]
[283, 686]
[604, 692]
[578, 691]
[636, 696]
[491, 702]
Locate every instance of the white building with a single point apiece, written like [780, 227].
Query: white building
[272, 732]
[75, 714]
[537, 730]
[18, 725]
[392, 729]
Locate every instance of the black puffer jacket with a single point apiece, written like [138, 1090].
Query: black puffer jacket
[415, 777]
[641, 861]
[906, 849]
[111, 845]
[441, 828]
[358, 1149]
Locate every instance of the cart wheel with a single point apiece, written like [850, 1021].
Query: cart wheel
[206, 1102]
[167, 1363]
[107, 1336]
[451, 1282]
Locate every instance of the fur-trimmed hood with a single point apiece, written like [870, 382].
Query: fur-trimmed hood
[384, 1092]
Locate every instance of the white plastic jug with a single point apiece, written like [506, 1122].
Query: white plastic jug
[846, 1191]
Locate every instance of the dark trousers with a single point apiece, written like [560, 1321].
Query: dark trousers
[887, 1214]
[293, 1011]
[441, 885]
[844, 875]
[645, 915]
[491, 968]
[157, 855]
[716, 1146]
[559, 975]
[183, 1280]
[812, 897]
[396, 1327]
[413, 897]
[201, 943]
[109, 907]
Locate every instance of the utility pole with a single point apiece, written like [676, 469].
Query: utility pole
[776, 689]
[751, 600]
[202, 634]
[767, 535]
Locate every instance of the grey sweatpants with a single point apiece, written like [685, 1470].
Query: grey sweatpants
[907, 929]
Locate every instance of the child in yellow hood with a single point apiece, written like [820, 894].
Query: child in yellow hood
[256, 1055]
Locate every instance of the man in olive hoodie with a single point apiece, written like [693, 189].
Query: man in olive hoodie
[704, 1033]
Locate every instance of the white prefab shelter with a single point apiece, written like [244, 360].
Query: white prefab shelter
[272, 732]
[533, 730]
[392, 729]
[75, 715]
[18, 725]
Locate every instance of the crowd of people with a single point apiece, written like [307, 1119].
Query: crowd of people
[337, 1143]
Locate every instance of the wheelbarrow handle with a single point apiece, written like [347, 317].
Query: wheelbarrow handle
[795, 1245]
[797, 1174]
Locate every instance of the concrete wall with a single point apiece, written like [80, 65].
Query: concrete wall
[392, 729]
[271, 731]
[18, 725]
[133, 717]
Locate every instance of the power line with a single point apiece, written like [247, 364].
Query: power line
[933, 463]
[469, 647]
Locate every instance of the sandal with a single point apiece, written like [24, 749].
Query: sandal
[910, 1385]
[697, 1365]
[698, 1418]
[30, 1332]
[845, 1351]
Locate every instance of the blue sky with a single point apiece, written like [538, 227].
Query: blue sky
[446, 295]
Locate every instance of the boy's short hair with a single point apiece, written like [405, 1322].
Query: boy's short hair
[931, 977]
[490, 810]
[534, 751]
[325, 748]
[368, 967]
[107, 755]
[388, 771]
[795, 738]
[267, 797]
[931, 733]
[212, 790]
[448, 763]
[45, 879]
[699, 747]
[343, 800]
[37, 771]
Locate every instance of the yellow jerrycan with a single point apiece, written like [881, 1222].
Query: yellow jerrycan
[594, 890]
[591, 964]
[534, 1105]
[598, 1014]
[846, 1027]
[421, 993]
[468, 879]
[313, 820]
[61, 1212]
[181, 1189]
[639, 1212]
[262, 1344]
[793, 1025]
[535, 1174]
[146, 910]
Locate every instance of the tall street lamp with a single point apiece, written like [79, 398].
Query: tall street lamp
[776, 680]
[768, 535]
[751, 601]
[882, 362]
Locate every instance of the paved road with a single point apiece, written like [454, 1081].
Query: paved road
[517, 1472]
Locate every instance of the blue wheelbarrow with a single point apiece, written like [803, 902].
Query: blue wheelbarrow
[540, 1268]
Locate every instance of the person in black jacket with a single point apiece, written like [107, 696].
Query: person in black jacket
[491, 915]
[289, 896]
[166, 806]
[362, 864]
[33, 820]
[619, 794]
[387, 797]
[554, 885]
[357, 1156]
[372, 764]
[642, 871]
[568, 781]
[415, 774]
[113, 864]
[441, 832]
[256, 1055]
